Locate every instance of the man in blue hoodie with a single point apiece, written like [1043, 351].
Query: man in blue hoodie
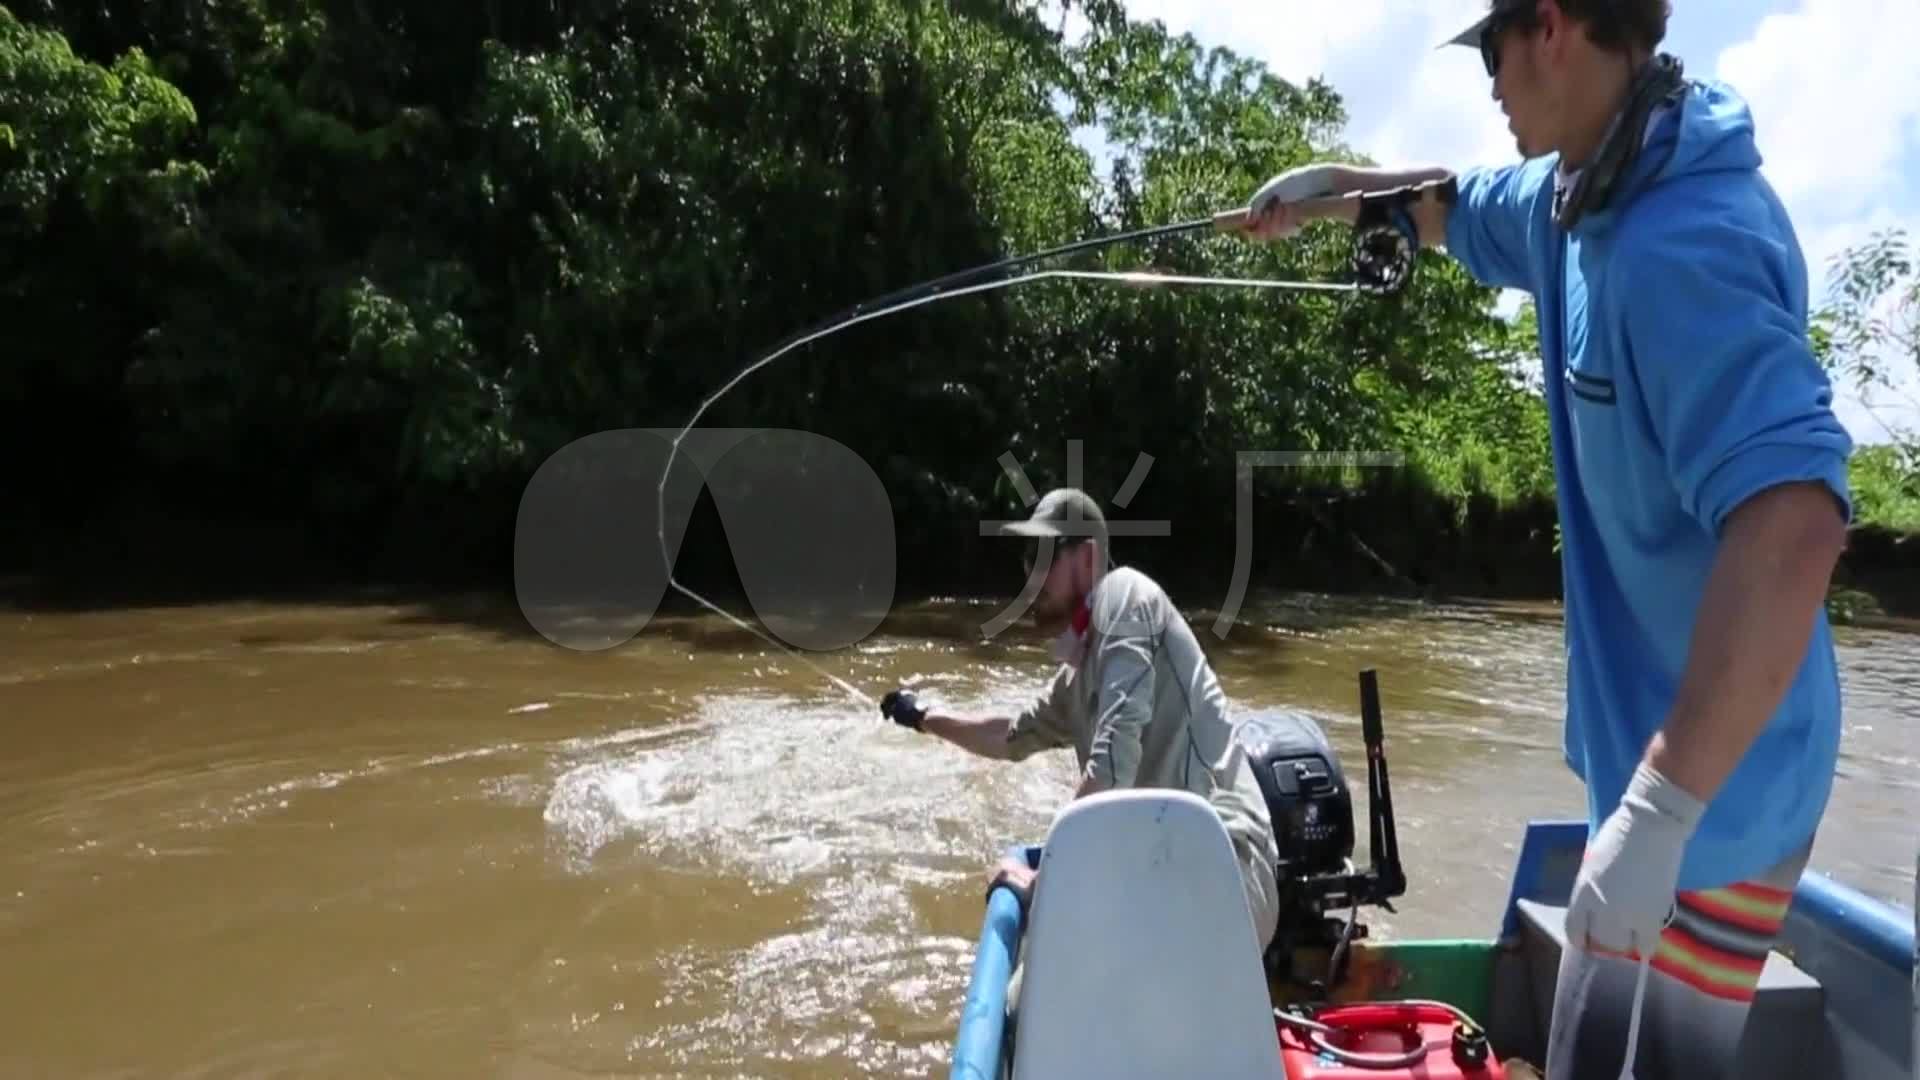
[1703, 503]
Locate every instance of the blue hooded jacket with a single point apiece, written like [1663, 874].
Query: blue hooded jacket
[1679, 381]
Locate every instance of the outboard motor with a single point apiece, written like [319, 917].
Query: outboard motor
[1306, 792]
[1312, 809]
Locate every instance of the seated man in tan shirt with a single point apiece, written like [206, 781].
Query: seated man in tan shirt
[1134, 696]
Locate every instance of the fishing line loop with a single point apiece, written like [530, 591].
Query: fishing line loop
[1382, 257]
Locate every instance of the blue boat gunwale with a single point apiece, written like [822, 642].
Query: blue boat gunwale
[983, 1014]
[1869, 924]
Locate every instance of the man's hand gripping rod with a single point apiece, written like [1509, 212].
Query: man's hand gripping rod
[1386, 238]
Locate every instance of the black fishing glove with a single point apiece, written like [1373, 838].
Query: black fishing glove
[901, 707]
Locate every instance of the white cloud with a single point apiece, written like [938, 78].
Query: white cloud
[1836, 102]
[1836, 98]
[1407, 99]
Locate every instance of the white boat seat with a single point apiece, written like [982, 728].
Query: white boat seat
[1784, 1028]
[1139, 957]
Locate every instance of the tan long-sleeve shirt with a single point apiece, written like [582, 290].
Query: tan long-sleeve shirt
[1140, 706]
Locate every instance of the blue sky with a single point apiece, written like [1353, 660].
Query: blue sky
[1833, 85]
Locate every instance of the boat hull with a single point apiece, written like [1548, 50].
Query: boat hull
[1837, 998]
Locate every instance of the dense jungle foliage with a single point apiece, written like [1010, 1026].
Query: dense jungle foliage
[329, 280]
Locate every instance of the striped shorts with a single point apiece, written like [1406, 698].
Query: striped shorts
[1699, 987]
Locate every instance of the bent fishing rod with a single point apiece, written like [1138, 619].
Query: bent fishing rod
[1385, 242]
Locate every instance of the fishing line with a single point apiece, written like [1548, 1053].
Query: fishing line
[1379, 269]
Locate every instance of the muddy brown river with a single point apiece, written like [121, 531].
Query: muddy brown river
[387, 838]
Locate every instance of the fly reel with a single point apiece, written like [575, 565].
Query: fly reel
[1385, 238]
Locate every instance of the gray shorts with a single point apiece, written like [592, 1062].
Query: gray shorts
[1698, 992]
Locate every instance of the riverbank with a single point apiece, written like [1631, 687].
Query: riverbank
[1346, 546]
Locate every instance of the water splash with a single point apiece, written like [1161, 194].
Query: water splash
[594, 803]
[775, 789]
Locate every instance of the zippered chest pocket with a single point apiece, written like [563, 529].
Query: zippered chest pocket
[1588, 375]
[1608, 452]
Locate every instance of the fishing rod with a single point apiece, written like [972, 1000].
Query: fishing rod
[1385, 242]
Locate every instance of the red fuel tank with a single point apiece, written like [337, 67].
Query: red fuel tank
[1386, 1041]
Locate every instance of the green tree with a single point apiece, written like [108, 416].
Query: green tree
[1868, 334]
[98, 192]
[365, 267]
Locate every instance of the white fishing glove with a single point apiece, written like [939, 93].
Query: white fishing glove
[1623, 895]
[1268, 211]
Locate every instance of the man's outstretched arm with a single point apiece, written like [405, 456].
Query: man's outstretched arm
[980, 733]
[990, 735]
[1485, 226]
[1299, 195]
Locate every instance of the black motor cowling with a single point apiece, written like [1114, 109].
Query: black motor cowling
[1305, 789]
[1312, 809]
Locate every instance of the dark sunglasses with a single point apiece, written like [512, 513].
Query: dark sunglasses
[1052, 546]
[1490, 38]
